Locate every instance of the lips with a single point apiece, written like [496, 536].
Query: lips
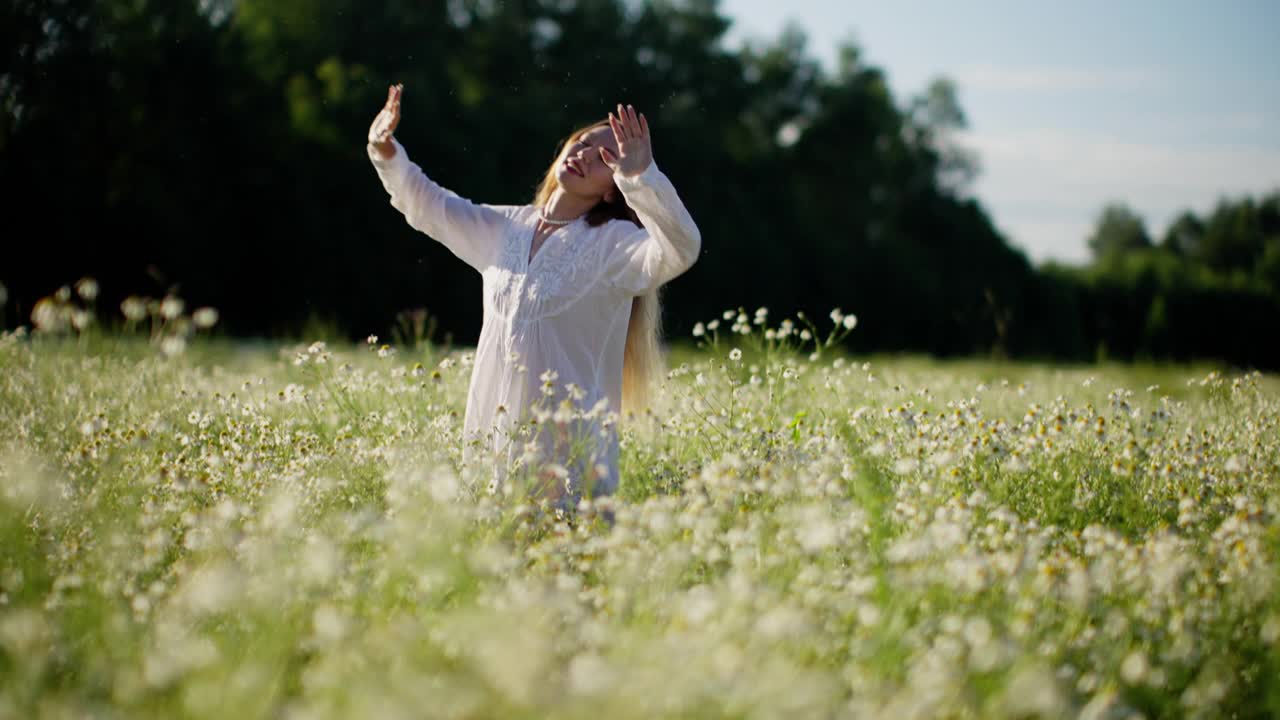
[573, 167]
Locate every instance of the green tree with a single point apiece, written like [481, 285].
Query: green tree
[1233, 238]
[1118, 231]
[1185, 236]
[935, 118]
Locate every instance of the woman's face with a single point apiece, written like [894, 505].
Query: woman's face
[582, 171]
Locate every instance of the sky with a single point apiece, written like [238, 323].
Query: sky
[1164, 105]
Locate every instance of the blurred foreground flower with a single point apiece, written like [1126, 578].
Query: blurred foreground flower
[51, 315]
[171, 307]
[87, 289]
[205, 318]
[134, 308]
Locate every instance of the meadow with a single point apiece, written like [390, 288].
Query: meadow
[195, 527]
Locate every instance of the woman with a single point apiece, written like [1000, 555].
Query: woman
[570, 295]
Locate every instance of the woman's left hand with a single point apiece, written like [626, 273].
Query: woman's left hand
[632, 133]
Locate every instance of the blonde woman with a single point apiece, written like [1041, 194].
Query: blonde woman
[571, 316]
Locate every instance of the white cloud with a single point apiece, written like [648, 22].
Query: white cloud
[990, 77]
[1046, 186]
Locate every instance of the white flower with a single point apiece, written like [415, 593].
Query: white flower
[329, 623]
[80, 319]
[563, 414]
[589, 674]
[817, 534]
[698, 330]
[87, 288]
[49, 316]
[850, 322]
[134, 308]
[1135, 667]
[698, 604]
[171, 307]
[905, 466]
[735, 355]
[211, 588]
[173, 345]
[205, 318]
[444, 486]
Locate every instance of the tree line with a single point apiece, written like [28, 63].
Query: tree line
[1207, 287]
[216, 148]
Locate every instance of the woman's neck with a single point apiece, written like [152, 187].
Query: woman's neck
[563, 206]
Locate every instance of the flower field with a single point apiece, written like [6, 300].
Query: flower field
[225, 530]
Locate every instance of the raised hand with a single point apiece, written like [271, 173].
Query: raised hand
[384, 125]
[634, 149]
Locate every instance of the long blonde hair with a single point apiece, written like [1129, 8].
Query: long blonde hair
[642, 358]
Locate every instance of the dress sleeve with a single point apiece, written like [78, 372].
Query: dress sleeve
[665, 247]
[470, 230]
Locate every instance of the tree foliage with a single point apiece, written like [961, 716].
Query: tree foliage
[218, 145]
[1119, 230]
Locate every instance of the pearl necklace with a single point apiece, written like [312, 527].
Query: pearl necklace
[549, 221]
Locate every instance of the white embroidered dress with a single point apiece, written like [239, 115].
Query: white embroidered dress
[567, 311]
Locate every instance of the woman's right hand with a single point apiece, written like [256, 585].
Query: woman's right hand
[384, 125]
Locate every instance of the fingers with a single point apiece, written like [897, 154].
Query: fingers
[618, 133]
[396, 92]
[393, 97]
[628, 123]
[384, 125]
[624, 121]
[382, 128]
[620, 130]
[609, 158]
